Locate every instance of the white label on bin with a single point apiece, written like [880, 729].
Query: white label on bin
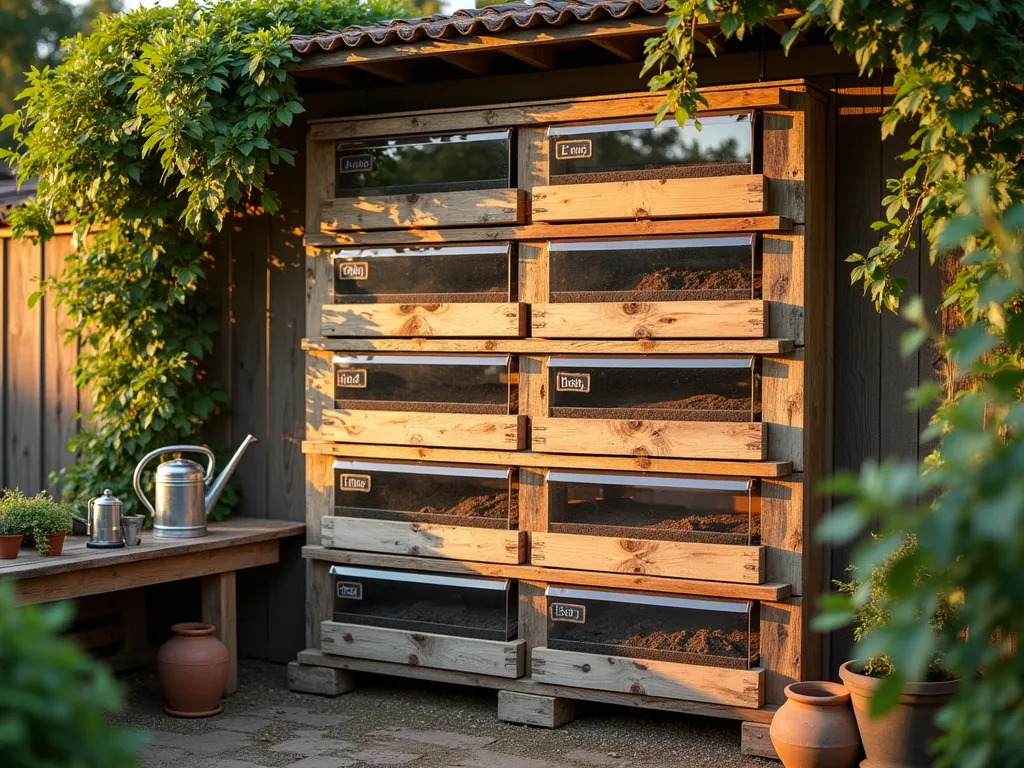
[350, 590]
[354, 270]
[576, 614]
[352, 378]
[355, 163]
[349, 482]
[578, 149]
[572, 382]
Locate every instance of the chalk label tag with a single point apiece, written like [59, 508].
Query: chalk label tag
[572, 382]
[575, 614]
[355, 163]
[349, 482]
[578, 149]
[351, 378]
[353, 270]
[350, 590]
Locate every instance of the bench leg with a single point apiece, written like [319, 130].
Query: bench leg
[219, 610]
[534, 709]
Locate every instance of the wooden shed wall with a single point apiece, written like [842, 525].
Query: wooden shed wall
[259, 276]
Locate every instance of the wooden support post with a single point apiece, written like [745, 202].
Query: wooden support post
[755, 741]
[219, 610]
[323, 681]
[530, 709]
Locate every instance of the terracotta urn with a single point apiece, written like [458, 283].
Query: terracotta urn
[193, 671]
[815, 728]
[901, 738]
[56, 543]
[9, 546]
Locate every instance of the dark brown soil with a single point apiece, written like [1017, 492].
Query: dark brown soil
[669, 279]
[707, 647]
[708, 407]
[494, 295]
[570, 297]
[433, 616]
[688, 536]
[691, 171]
[399, 405]
[482, 511]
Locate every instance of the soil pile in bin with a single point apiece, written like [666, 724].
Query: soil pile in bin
[632, 631]
[440, 505]
[606, 518]
[437, 616]
[670, 284]
[495, 294]
[706, 407]
[688, 171]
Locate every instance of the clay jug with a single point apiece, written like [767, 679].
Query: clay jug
[815, 728]
[193, 670]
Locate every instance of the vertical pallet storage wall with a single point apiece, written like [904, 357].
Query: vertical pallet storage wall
[631, 394]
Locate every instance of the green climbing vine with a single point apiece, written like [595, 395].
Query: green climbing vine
[146, 134]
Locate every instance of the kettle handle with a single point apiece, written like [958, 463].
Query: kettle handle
[137, 479]
[88, 516]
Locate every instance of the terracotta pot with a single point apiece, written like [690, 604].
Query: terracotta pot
[815, 727]
[9, 546]
[56, 543]
[193, 670]
[902, 738]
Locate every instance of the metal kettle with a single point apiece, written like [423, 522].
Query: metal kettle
[104, 522]
[182, 500]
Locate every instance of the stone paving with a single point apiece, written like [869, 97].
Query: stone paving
[389, 722]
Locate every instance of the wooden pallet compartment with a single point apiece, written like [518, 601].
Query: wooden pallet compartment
[461, 430]
[477, 208]
[424, 540]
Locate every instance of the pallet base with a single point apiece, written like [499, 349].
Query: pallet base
[323, 681]
[755, 742]
[316, 658]
[532, 709]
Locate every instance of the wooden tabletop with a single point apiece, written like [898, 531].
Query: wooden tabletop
[77, 557]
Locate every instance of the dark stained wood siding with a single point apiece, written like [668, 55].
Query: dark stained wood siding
[259, 275]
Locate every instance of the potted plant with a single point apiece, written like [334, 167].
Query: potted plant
[51, 523]
[13, 524]
[903, 736]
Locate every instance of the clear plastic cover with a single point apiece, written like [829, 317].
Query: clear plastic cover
[464, 606]
[655, 388]
[655, 269]
[446, 494]
[629, 150]
[713, 510]
[415, 164]
[645, 625]
[459, 274]
[436, 383]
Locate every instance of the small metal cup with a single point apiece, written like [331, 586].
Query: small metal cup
[131, 529]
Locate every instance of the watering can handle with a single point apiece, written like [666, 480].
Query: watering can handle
[137, 480]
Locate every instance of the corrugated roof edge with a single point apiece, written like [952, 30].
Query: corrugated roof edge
[493, 19]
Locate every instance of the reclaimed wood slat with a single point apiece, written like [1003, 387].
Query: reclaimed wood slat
[659, 199]
[684, 560]
[715, 685]
[742, 441]
[545, 575]
[484, 657]
[219, 609]
[452, 542]
[531, 709]
[461, 430]
[650, 320]
[557, 346]
[550, 460]
[425, 320]
[60, 393]
[479, 207]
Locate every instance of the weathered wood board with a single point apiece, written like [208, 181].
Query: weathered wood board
[651, 320]
[456, 430]
[482, 657]
[711, 562]
[677, 439]
[478, 208]
[481, 320]
[715, 685]
[485, 545]
[658, 199]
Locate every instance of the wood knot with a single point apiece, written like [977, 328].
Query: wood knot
[413, 198]
[638, 665]
[637, 689]
[640, 213]
[631, 307]
[637, 425]
[642, 334]
[414, 660]
[585, 668]
[347, 637]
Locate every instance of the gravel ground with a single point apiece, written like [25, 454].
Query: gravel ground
[387, 721]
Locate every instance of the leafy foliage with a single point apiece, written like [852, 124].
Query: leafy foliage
[54, 699]
[959, 81]
[38, 516]
[148, 132]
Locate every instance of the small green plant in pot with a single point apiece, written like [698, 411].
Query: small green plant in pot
[40, 517]
[902, 737]
[13, 524]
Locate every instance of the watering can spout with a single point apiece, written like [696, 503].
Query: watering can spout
[217, 488]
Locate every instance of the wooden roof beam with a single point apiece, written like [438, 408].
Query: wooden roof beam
[477, 63]
[391, 71]
[630, 49]
[537, 56]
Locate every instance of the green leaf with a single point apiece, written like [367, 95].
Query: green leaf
[840, 527]
[34, 298]
[886, 695]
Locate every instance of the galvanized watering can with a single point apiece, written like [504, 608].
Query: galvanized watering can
[182, 500]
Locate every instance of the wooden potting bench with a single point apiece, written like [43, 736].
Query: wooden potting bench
[230, 546]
